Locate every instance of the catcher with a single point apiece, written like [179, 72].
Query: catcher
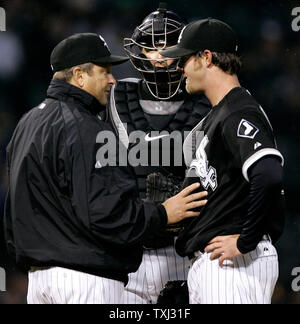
[157, 102]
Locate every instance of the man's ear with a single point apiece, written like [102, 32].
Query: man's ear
[207, 55]
[205, 59]
[78, 77]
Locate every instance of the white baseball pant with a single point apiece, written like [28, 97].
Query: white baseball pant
[57, 285]
[247, 279]
[157, 268]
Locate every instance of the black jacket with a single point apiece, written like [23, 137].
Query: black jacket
[61, 210]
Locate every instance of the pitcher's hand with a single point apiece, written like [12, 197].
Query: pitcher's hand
[223, 248]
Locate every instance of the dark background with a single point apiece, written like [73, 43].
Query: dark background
[270, 53]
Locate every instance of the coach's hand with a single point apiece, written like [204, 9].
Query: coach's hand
[179, 206]
[223, 247]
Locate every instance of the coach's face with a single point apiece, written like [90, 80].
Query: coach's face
[99, 82]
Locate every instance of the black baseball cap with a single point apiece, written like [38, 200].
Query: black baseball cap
[210, 34]
[82, 48]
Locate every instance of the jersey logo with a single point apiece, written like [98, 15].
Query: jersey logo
[98, 165]
[206, 173]
[246, 129]
[257, 145]
[149, 139]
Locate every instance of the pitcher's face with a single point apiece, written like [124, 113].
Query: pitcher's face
[194, 72]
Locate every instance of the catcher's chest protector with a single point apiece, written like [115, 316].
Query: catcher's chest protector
[127, 115]
[125, 108]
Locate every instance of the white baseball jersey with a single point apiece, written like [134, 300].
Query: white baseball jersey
[57, 285]
[247, 279]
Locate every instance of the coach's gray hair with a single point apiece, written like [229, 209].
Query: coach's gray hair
[66, 74]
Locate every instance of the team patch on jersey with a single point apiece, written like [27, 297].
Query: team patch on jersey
[247, 129]
[206, 172]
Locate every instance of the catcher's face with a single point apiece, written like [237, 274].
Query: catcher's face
[156, 59]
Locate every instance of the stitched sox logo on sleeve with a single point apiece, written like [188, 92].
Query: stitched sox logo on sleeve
[206, 173]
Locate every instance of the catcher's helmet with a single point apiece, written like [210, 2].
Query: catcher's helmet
[160, 29]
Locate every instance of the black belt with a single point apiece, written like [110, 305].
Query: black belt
[159, 242]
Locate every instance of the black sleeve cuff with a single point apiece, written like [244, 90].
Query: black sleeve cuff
[162, 211]
[243, 248]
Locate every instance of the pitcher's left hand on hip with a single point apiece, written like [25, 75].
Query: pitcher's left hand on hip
[223, 248]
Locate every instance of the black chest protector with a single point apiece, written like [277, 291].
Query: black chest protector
[127, 117]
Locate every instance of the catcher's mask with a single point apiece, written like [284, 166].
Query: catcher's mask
[158, 30]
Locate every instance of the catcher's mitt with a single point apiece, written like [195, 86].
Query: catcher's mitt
[174, 293]
[160, 187]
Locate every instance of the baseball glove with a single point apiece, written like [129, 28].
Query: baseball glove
[174, 293]
[160, 187]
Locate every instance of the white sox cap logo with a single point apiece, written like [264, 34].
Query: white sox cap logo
[180, 35]
[105, 44]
